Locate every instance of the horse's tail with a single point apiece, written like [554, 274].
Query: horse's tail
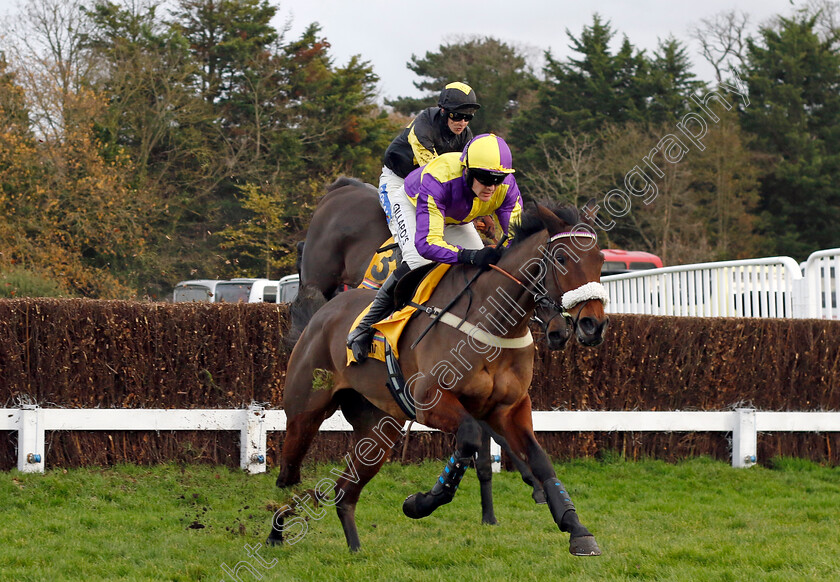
[308, 300]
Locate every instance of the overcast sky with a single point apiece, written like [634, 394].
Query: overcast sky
[375, 30]
[388, 32]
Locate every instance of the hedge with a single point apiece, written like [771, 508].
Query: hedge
[118, 354]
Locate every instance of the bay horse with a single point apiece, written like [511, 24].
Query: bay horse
[454, 381]
[347, 228]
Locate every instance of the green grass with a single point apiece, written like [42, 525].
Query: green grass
[697, 520]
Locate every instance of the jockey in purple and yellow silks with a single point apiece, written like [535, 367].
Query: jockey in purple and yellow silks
[443, 197]
[431, 218]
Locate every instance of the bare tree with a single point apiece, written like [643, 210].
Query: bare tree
[723, 40]
[828, 18]
[574, 170]
[49, 59]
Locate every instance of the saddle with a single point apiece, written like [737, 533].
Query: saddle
[413, 289]
[417, 287]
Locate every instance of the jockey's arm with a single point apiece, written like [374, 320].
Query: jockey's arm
[510, 212]
[429, 238]
[422, 144]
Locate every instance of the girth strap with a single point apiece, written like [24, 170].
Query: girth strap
[396, 384]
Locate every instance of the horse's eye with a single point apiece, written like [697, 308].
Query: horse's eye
[561, 259]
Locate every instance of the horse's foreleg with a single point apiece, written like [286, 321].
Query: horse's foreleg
[484, 471]
[448, 414]
[517, 428]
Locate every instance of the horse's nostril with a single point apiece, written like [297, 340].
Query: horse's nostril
[588, 325]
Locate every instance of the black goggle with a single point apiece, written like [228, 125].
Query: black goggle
[455, 116]
[488, 178]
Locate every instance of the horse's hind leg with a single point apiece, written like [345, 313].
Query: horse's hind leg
[300, 431]
[447, 415]
[376, 433]
[516, 426]
[484, 471]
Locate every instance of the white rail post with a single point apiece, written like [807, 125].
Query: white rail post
[495, 456]
[744, 438]
[31, 439]
[252, 440]
[804, 302]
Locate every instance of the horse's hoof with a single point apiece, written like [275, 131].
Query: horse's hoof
[490, 520]
[275, 538]
[410, 508]
[584, 546]
[539, 496]
[420, 505]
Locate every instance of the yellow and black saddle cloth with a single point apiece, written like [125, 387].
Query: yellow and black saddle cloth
[382, 264]
[388, 331]
[387, 335]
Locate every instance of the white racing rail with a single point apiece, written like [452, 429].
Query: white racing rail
[32, 422]
[775, 287]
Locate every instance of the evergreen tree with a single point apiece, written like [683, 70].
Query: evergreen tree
[583, 94]
[225, 37]
[672, 81]
[794, 111]
[497, 72]
[323, 123]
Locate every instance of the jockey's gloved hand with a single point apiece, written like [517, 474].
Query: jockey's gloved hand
[481, 258]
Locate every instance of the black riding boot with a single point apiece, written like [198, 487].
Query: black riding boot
[361, 338]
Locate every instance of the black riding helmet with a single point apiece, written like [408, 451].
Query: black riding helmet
[457, 96]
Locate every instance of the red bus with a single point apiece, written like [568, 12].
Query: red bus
[617, 261]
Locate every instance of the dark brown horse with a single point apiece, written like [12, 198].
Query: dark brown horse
[456, 379]
[347, 228]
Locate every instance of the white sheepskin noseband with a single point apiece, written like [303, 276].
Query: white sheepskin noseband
[587, 292]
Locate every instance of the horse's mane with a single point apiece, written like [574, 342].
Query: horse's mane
[532, 223]
[342, 181]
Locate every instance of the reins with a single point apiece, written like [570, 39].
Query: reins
[541, 299]
[544, 300]
[449, 305]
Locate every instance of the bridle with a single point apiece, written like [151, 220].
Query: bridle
[591, 291]
[587, 292]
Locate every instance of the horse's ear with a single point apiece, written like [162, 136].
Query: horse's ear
[588, 212]
[548, 218]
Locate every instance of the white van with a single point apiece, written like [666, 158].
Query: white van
[242, 290]
[288, 288]
[203, 290]
[245, 290]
